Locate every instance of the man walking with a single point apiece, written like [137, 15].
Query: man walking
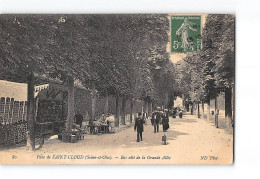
[153, 120]
[157, 120]
[139, 126]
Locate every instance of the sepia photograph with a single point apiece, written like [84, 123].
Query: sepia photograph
[117, 89]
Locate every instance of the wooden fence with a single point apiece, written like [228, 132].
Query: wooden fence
[13, 121]
[12, 111]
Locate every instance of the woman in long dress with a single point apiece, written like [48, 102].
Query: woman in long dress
[165, 121]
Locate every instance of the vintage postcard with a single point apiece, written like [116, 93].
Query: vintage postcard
[117, 89]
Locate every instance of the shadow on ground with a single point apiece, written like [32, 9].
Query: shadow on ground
[125, 139]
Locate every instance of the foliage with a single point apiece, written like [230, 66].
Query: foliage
[119, 54]
[212, 69]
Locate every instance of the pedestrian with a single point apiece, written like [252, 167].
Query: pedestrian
[145, 117]
[139, 126]
[165, 121]
[153, 117]
[157, 121]
[78, 119]
[111, 123]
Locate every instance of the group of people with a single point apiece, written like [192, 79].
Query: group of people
[103, 120]
[159, 116]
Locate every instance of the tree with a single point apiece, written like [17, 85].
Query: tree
[214, 65]
[220, 41]
[115, 55]
[27, 44]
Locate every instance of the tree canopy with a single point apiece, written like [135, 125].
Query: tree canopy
[210, 71]
[122, 55]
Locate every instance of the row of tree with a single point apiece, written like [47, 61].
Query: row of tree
[204, 74]
[120, 55]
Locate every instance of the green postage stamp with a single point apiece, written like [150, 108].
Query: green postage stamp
[185, 33]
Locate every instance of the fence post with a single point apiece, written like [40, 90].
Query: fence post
[30, 113]
[11, 110]
[2, 110]
[216, 111]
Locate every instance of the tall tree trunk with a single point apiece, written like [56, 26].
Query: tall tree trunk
[216, 111]
[183, 102]
[188, 106]
[166, 102]
[146, 107]
[71, 107]
[233, 105]
[228, 104]
[198, 109]
[195, 111]
[202, 106]
[93, 102]
[106, 104]
[30, 113]
[131, 110]
[192, 107]
[150, 109]
[208, 110]
[123, 111]
[117, 112]
[142, 110]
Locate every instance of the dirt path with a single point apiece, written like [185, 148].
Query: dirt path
[189, 140]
